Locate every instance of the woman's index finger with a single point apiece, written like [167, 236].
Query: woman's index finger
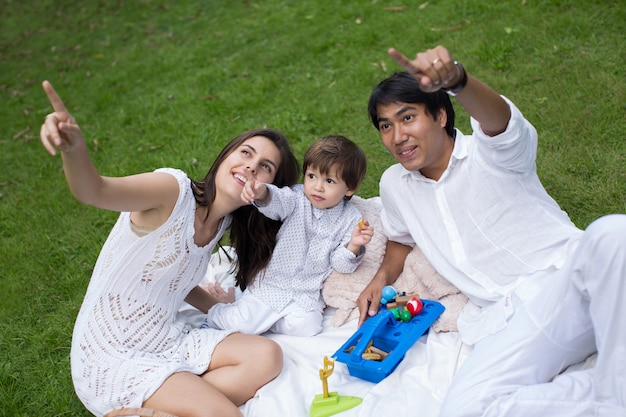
[55, 100]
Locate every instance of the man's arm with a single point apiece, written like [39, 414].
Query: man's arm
[389, 270]
[435, 69]
[485, 105]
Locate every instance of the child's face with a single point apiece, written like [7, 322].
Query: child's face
[324, 191]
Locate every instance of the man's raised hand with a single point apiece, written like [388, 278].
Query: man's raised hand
[433, 68]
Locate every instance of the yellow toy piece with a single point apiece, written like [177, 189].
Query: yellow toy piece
[328, 404]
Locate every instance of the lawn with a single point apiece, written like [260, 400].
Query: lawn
[158, 83]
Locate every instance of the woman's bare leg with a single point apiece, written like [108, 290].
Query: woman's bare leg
[241, 364]
[187, 395]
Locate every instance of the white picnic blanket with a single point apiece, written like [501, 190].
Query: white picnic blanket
[415, 388]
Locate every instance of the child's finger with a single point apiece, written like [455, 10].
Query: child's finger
[249, 176]
[245, 194]
[248, 173]
[248, 188]
[258, 189]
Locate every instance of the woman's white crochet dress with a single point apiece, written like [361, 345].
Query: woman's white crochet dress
[127, 339]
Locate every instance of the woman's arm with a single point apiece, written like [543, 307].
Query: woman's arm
[201, 299]
[142, 192]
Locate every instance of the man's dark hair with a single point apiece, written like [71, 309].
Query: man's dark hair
[402, 87]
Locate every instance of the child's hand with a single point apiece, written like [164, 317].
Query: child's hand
[253, 189]
[216, 290]
[361, 236]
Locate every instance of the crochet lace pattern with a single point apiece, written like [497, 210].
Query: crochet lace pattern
[127, 339]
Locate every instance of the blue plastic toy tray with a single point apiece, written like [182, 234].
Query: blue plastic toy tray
[389, 335]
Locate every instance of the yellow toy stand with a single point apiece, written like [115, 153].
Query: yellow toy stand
[328, 404]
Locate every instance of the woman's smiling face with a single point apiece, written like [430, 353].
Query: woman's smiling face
[257, 156]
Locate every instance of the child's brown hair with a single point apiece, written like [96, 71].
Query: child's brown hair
[338, 152]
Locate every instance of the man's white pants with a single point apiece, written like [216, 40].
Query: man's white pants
[582, 309]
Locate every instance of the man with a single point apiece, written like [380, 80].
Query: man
[543, 294]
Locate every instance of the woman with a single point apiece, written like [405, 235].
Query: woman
[128, 348]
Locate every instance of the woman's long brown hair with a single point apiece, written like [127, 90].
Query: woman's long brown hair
[251, 234]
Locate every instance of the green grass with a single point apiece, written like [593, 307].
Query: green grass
[158, 83]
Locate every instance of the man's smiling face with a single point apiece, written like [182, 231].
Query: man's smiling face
[415, 138]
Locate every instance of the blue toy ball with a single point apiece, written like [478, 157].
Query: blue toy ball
[388, 294]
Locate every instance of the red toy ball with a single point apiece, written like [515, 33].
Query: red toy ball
[414, 306]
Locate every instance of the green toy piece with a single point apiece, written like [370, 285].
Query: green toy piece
[328, 404]
[406, 316]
